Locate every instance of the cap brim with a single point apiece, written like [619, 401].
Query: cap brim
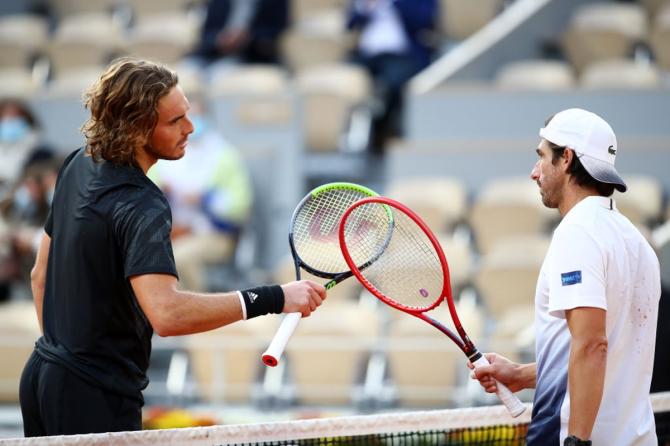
[603, 172]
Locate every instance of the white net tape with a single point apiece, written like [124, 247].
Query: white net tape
[435, 420]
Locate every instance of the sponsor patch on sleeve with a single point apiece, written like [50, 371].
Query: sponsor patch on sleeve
[571, 278]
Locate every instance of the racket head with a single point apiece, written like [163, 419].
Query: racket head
[411, 272]
[313, 231]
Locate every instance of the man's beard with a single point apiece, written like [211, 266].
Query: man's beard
[158, 154]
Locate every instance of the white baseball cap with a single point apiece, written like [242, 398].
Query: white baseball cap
[592, 139]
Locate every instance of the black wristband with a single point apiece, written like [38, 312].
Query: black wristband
[263, 300]
[576, 441]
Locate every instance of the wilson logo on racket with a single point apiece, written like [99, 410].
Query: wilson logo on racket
[323, 227]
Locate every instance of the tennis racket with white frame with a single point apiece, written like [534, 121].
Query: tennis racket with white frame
[313, 239]
[410, 273]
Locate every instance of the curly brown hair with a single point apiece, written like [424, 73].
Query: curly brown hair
[123, 105]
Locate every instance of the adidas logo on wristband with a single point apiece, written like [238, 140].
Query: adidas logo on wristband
[263, 300]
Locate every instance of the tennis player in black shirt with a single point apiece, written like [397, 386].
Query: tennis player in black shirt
[105, 277]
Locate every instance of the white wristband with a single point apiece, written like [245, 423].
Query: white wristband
[243, 305]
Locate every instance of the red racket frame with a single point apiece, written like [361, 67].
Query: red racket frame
[461, 339]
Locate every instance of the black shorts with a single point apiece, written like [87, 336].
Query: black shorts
[55, 401]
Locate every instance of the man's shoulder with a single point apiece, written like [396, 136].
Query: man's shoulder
[142, 198]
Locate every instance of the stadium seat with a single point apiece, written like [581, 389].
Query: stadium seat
[305, 9]
[653, 7]
[507, 274]
[513, 330]
[164, 38]
[191, 79]
[459, 256]
[508, 207]
[601, 31]
[15, 55]
[425, 367]
[22, 38]
[461, 18]
[258, 92]
[226, 362]
[660, 37]
[620, 74]
[535, 74]
[87, 40]
[73, 85]
[642, 203]
[303, 49]
[146, 9]
[17, 82]
[442, 202]
[337, 88]
[65, 8]
[18, 331]
[329, 350]
[249, 80]
[28, 29]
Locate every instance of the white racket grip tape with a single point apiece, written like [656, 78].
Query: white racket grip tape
[510, 400]
[276, 348]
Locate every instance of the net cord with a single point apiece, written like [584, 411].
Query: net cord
[398, 422]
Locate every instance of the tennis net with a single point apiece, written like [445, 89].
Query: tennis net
[484, 426]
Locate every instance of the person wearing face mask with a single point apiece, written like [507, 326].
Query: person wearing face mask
[19, 141]
[210, 194]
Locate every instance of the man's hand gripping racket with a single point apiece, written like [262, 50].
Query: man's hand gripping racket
[315, 247]
[410, 272]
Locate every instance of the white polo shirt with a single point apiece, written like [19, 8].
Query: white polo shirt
[598, 258]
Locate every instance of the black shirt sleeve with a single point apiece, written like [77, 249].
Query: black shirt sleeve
[142, 227]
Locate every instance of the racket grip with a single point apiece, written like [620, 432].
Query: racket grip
[276, 348]
[510, 400]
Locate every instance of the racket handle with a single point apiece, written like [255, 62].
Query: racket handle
[276, 349]
[510, 400]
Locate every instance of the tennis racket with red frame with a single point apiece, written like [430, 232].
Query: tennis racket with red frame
[411, 273]
[315, 248]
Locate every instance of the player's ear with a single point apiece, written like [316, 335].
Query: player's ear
[567, 159]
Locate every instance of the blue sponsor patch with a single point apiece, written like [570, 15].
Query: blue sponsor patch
[571, 278]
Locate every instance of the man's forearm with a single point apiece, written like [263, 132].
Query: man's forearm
[586, 380]
[528, 375]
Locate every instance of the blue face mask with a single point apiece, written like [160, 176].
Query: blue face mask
[199, 126]
[13, 129]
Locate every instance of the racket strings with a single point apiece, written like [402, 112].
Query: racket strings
[315, 227]
[408, 271]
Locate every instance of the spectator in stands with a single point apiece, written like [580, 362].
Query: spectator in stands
[210, 194]
[24, 212]
[246, 31]
[19, 140]
[396, 42]
[596, 301]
